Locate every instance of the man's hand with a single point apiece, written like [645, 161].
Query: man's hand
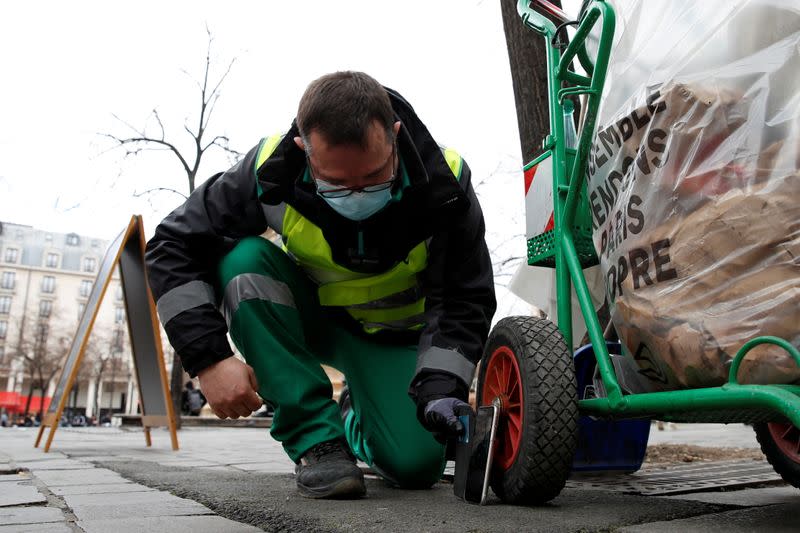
[439, 418]
[230, 387]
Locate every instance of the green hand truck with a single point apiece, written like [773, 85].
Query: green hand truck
[527, 365]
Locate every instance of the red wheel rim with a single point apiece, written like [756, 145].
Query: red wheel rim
[787, 437]
[503, 380]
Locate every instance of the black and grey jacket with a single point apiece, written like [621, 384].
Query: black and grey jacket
[458, 284]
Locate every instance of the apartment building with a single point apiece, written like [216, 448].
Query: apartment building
[45, 282]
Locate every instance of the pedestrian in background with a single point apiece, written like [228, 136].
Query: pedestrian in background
[193, 400]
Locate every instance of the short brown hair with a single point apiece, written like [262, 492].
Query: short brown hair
[341, 106]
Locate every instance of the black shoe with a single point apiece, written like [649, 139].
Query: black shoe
[328, 470]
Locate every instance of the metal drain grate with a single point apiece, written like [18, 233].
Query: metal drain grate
[680, 479]
[7, 474]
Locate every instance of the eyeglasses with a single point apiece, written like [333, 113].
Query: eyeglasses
[327, 190]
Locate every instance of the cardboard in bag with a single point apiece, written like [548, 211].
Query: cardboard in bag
[738, 277]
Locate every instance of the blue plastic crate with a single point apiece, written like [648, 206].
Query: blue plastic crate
[606, 444]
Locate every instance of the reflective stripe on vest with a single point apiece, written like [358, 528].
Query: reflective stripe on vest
[416, 323]
[390, 300]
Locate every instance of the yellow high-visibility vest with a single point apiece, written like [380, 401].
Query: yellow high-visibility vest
[389, 300]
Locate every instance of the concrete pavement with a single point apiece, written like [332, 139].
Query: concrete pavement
[711, 435]
[238, 479]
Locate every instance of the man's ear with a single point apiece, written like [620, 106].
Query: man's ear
[396, 128]
[299, 142]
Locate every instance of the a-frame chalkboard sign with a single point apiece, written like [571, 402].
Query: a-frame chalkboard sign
[127, 251]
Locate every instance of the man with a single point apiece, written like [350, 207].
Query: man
[193, 400]
[384, 275]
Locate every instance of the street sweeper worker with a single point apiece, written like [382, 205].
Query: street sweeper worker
[381, 271]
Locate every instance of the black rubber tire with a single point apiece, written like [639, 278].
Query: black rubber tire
[786, 467]
[550, 410]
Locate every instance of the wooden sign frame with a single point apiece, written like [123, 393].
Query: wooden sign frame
[127, 251]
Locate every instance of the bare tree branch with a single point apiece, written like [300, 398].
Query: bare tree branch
[219, 140]
[191, 78]
[160, 124]
[41, 353]
[508, 260]
[131, 127]
[143, 141]
[215, 94]
[496, 248]
[158, 189]
[222, 141]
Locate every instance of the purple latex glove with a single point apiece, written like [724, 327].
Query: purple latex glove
[440, 419]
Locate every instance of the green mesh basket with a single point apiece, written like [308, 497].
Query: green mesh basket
[542, 247]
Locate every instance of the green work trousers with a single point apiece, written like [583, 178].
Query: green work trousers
[278, 325]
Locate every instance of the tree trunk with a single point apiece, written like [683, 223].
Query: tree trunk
[96, 403]
[42, 387]
[30, 396]
[41, 405]
[528, 59]
[73, 400]
[45, 388]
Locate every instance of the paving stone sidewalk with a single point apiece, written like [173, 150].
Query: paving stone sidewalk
[68, 490]
[64, 491]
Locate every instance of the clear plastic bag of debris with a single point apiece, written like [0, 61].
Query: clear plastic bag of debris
[694, 186]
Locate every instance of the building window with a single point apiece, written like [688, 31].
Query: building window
[42, 329]
[2, 352]
[119, 339]
[86, 287]
[119, 315]
[73, 239]
[52, 260]
[3, 329]
[81, 310]
[89, 264]
[5, 305]
[11, 255]
[9, 280]
[45, 308]
[48, 237]
[118, 293]
[49, 284]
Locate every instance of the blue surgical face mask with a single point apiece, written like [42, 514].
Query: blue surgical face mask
[359, 205]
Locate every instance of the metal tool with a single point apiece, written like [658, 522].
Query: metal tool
[475, 450]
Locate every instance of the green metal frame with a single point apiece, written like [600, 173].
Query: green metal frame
[730, 402]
